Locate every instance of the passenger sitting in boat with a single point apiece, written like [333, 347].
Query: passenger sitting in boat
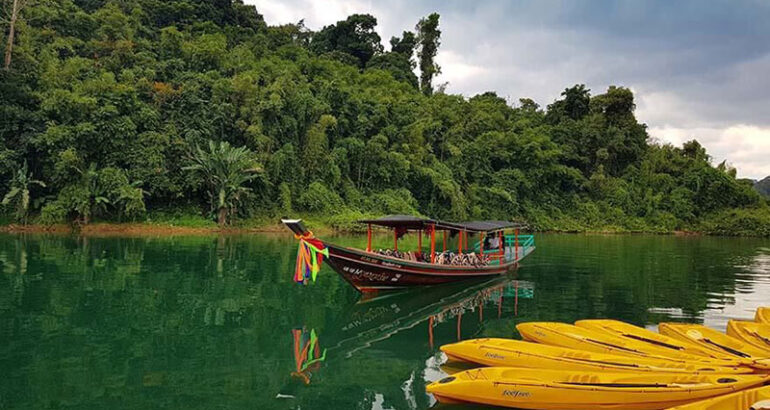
[443, 258]
[409, 255]
[464, 259]
[492, 242]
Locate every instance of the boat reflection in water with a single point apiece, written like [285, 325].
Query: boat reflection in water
[393, 322]
[308, 354]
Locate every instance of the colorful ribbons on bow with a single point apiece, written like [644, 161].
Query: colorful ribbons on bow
[309, 257]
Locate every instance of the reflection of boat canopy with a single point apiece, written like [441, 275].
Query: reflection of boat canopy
[383, 317]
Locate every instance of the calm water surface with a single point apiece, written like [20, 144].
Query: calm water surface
[217, 323]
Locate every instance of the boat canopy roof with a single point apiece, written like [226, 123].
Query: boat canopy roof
[401, 221]
[414, 223]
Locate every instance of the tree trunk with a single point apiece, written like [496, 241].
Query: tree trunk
[222, 218]
[11, 32]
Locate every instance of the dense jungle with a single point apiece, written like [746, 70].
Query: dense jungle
[197, 112]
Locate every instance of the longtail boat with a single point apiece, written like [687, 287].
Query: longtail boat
[497, 250]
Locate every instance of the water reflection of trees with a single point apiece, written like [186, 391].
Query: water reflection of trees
[206, 322]
[191, 318]
[624, 276]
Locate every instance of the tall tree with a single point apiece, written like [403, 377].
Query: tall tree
[398, 61]
[225, 170]
[428, 37]
[354, 35]
[13, 15]
[404, 45]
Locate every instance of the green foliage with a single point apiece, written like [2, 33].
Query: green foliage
[428, 36]
[284, 198]
[181, 215]
[763, 186]
[738, 222]
[318, 198]
[354, 36]
[399, 60]
[225, 171]
[109, 101]
[18, 197]
[95, 192]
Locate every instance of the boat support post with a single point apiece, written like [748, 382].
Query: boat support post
[395, 239]
[500, 247]
[481, 244]
[369, 238]
[433, 244]
[419, 240]
[516, 245]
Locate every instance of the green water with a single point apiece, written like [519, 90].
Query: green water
[213, 322]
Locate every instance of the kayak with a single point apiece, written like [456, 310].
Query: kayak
[656, 341]
[755, 399]
[762, 315]
[554, 389]
[753, 333]
[451, 368]
[573, 337]
[518, 353]
[717, 341]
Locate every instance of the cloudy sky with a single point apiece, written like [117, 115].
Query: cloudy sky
[698, 69]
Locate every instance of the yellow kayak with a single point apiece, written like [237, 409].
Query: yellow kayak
[517, 353]
[573, 337]
[762, 315]
[717, 341]
[451, 368]
[554, 389]
[753, 333]
[755, 399]
[656, 341]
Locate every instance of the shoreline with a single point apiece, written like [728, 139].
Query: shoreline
[137, 229]
[153, 229]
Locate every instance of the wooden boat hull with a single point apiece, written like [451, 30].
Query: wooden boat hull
[370, 272]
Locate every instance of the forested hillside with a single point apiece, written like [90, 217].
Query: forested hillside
[763, 186]
[126, 110]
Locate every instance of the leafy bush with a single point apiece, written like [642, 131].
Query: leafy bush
[53, 212]
[320, 199]
[391, 201]
[739, 222]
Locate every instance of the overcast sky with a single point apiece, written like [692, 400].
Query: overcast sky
[698, 69]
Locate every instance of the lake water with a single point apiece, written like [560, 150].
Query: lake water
[217, 323]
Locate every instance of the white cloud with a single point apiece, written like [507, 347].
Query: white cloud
[745, 145]
[315, 13]
[455, 69]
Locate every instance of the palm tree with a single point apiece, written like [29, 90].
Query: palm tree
[94, 197]
[226, 170]
[20, 185]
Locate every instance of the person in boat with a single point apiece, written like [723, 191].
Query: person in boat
[492, 241]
